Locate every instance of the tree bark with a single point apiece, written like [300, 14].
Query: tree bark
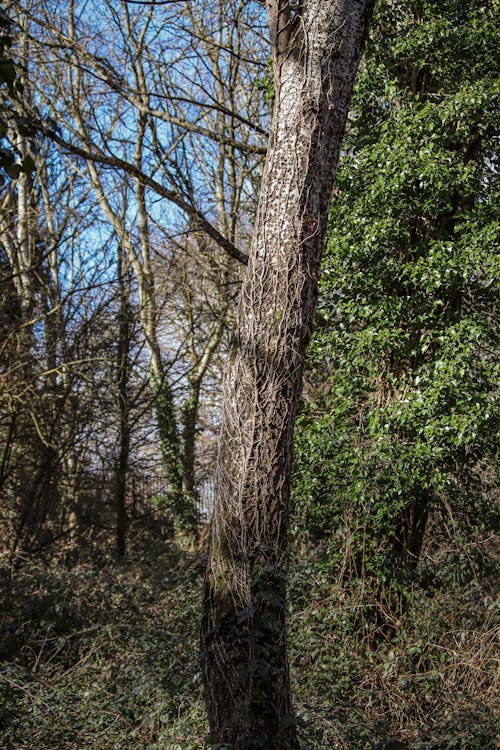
[243, 638]
[123, 366]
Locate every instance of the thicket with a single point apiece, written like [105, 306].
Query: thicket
[397, 441]
[400, 424]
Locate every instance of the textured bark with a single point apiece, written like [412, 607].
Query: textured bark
[243, 636]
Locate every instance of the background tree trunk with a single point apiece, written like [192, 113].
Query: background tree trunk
[243, 638]
[123, 365]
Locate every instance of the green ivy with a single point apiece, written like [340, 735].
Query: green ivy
[403, 420]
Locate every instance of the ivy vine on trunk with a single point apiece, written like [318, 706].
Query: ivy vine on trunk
[316, 49]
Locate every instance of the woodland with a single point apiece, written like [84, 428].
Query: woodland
[249, 374]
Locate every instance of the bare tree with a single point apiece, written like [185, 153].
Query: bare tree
[54, 354]
[316, 47]
[192, 131]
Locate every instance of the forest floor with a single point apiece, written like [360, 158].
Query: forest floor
[101, 654]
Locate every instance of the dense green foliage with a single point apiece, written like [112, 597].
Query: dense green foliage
[395, 451]
[402, 422]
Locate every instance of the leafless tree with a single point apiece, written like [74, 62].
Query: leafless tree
[160, 102]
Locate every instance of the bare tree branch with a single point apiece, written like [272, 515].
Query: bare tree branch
[98, 157]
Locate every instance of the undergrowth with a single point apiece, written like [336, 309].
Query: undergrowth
[102, 655]
[431, 683]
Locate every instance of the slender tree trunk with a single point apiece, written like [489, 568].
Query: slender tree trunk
[189, 422]
[7, 448]
[243, 637]
[123, 405]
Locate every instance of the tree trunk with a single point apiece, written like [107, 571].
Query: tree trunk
[243, 637]
[123, 404]
[189, 421]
